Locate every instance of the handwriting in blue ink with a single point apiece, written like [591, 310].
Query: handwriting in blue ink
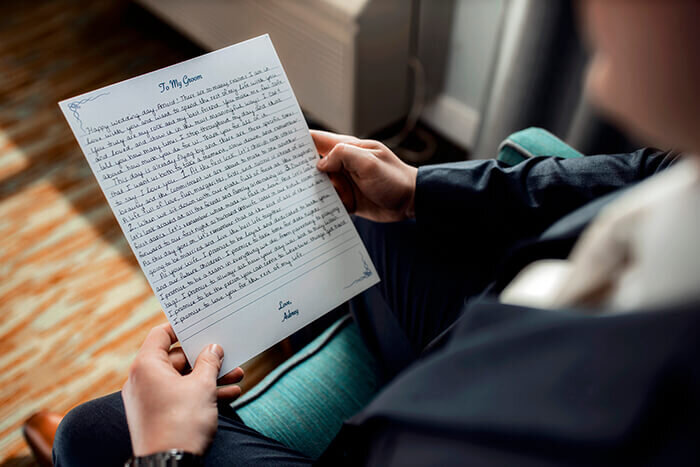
[287, 313]
[178, 83]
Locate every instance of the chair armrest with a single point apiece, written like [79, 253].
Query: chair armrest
[304, 402]
[533, 142]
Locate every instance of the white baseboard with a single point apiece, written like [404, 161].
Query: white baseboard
[454, 119]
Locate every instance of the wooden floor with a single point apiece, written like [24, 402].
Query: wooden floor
[74, 305]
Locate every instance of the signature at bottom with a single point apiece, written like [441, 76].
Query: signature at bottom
[288, 314]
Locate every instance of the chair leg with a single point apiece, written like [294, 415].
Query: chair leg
[39, 431]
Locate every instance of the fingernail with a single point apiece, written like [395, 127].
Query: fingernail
[321, 163]
[217, 350]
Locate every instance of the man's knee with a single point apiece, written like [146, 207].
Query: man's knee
[68, 440]
[93, 431]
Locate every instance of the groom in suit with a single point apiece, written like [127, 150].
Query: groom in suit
[541, 314]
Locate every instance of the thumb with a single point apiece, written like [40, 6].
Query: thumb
[325, 141]
[208, 363]
[349, 157]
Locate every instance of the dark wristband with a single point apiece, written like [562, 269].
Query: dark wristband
[171, 458]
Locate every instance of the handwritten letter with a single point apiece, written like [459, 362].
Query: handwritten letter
[210, 170]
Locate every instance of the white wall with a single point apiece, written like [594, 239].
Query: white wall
[472, 49]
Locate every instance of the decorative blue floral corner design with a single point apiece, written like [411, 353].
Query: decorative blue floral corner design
[74, 107]
[366, 272]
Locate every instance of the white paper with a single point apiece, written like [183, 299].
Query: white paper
[210, 170]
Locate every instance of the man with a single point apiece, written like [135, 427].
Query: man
[602, 371]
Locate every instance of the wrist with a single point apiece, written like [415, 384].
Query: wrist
[409, 210]
[149, 449]
[163, 437]
[169, 458]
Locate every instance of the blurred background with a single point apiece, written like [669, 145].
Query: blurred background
[437, 80]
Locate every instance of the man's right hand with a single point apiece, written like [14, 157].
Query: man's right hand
[371, 180]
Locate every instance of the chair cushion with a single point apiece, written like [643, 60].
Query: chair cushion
[304, 401]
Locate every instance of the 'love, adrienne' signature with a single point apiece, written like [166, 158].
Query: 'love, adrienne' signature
[287, 313]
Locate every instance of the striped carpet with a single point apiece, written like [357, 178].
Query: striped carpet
[74, 305]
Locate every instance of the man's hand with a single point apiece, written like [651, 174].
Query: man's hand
[168, 410]
[370, 179]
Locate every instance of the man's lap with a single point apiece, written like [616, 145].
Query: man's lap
[96, 433]
[424, 285]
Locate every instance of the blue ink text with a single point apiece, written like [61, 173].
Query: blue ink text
[178, 83]
[287, 313]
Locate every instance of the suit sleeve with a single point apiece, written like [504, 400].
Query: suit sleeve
[488, 201]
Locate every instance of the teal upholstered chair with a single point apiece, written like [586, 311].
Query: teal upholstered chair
[533, 142]
[304, 401]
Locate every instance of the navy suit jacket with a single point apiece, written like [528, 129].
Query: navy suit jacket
[510, 385]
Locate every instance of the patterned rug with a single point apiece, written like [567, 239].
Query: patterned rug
[74, 305]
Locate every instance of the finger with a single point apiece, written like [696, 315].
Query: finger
[232, 377]
[228, 392]
[159, 339]
[349, 157]
[344, 188]
[208, 363]
[178, 359]
[325, 141]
